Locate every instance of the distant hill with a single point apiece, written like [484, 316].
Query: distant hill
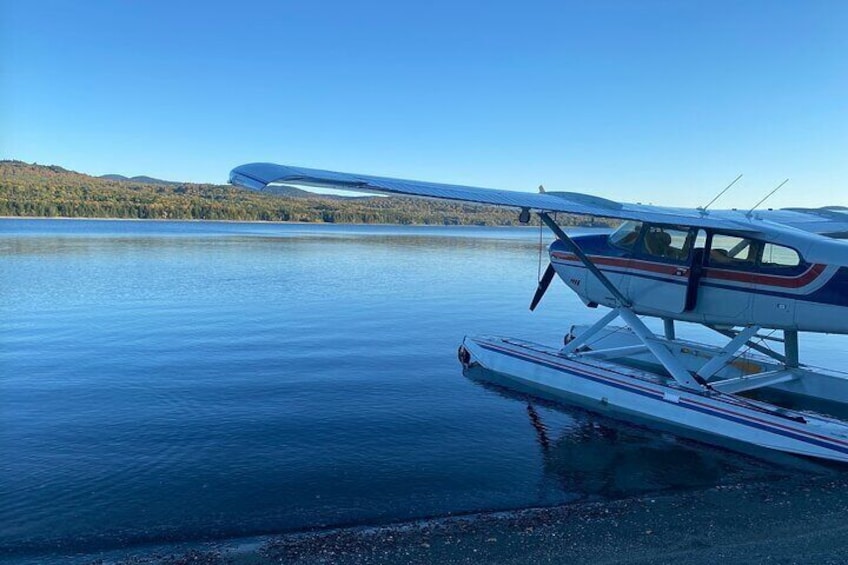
[141, 179]
[52, 191]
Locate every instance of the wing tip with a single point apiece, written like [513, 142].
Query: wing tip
[244, 181]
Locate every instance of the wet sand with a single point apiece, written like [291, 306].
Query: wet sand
[787, 521]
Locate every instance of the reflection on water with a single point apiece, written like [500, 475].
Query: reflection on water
[599, 457]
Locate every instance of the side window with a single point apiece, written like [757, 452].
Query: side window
[731, 252]
[667, 242]
[777, 256]
[626, 235]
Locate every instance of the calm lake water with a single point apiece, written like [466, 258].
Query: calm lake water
[173, 381]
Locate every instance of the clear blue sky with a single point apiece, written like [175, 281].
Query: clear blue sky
[651, 101]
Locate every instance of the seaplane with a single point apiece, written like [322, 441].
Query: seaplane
[755, 278]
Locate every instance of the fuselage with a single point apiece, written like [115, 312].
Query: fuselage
[790, 283]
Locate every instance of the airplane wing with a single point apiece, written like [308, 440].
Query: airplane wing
[831, 221]
[257, 176]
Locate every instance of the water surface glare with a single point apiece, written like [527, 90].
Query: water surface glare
[184, 380]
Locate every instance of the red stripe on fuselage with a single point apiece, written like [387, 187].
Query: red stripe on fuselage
[797, 281]
[622, 263]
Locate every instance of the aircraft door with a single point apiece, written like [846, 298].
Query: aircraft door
[725, 293]
[659, 273]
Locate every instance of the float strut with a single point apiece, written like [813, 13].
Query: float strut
[790, 345]
[578, 341]
[660, 351]
[668, 326]
[718, 362]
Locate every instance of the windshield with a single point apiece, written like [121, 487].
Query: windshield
[626, 235]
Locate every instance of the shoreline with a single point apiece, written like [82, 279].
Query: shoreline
[281, 222]
[795, 520]
[293, 223]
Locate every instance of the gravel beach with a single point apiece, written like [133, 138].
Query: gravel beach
[786, 521]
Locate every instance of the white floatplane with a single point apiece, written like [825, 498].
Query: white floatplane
[738, 273]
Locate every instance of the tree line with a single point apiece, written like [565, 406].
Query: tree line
[50, 191]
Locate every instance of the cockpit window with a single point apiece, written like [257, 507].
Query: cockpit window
[731, 252]
[626, 235]
[777, 256]
[668, 242]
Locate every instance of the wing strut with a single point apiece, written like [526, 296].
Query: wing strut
[622, 301]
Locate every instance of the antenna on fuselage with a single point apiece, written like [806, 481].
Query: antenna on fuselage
[703, 209]
[767, 196]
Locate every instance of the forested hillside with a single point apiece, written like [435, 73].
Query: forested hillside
[51, 191]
